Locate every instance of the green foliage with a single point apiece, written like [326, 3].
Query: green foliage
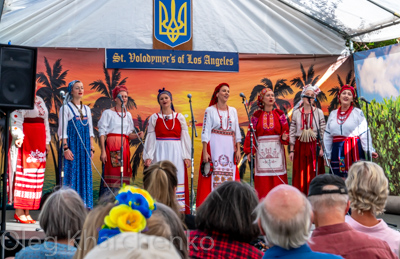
[384, 121]
[361, 46]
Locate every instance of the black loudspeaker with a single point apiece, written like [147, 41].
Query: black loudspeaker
[17, 77]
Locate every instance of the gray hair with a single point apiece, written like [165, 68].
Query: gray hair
[291, 233]
[324, 203]
[63, 214]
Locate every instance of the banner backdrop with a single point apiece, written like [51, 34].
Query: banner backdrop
[287, 74]
[378, 80]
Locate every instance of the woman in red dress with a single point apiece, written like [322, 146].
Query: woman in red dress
[303, 141]
[30, 143]
[168, 139]
[221, 143]
[271, 130]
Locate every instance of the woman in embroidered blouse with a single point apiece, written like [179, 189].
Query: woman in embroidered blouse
[221, 143]
[77, 135]
[110, 141]
[271, 134]
[30, 134]
[303, 141]
[168, 139]
[345, 137]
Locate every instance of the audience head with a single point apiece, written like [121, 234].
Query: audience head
[284, 217]
[177, 236]
[90, 230]
[228, 209]
[132, 245]
[161, 181]
[63, 214]
[368, 187]
[132, 207]
[328, 196]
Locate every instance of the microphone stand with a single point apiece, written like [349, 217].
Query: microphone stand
[194, 133]
[122, 143]
[369, 157]
[62, 142]
[319, 139]
[252, 133]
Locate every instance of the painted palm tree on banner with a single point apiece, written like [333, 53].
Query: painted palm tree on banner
[106, 101]
[53, 81]
[334, 91]
[281, 89]
[305, 79]
[137, 157]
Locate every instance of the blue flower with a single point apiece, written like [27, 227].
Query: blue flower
[124, 197]
[106, 234]
[139, 202]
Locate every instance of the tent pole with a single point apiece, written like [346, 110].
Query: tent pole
[2, 3]
[374, 29]
[384, 8]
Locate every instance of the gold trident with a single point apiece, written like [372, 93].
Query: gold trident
[173, 30]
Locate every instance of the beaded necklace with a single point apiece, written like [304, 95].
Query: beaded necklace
[173, 123]
[228, 126]
[342, 116]
[304, 119]
[121, 113]
[81, 114]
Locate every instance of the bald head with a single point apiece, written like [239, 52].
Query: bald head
[285, 216]
[284, 202]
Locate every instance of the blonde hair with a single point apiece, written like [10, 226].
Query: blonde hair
[368, 187]
[90, 230]
[160, 180]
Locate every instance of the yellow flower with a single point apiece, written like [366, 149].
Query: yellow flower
[132, 221]
[126, 188]
[147, 196]
[112, 219]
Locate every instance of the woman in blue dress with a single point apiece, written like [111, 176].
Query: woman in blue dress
[77, 138]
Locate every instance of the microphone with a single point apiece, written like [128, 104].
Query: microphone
[62, 94]
[364, 100]
[306, 96]
[120, 98]
[242, 95]
[189, 96]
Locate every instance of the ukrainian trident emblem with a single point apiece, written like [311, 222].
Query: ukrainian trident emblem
[172, 21]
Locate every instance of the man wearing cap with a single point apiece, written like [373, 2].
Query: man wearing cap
[330, 203]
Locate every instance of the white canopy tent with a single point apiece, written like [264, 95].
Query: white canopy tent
[244, 26]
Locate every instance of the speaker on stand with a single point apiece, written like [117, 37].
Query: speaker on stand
[17, 91]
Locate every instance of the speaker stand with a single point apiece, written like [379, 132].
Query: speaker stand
[3, 231]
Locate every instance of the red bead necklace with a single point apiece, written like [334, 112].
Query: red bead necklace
[342, 116]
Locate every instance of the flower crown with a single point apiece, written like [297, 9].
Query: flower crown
[133, 207]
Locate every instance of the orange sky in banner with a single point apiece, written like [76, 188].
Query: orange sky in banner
[86, 65]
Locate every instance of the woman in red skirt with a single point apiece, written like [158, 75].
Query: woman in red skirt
[110, 141]
[29, 145]
[303, 141]
[272, 130]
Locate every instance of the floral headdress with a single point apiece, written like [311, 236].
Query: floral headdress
[133, 207]
[260, 98]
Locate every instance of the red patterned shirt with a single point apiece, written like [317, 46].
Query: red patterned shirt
[217, 245]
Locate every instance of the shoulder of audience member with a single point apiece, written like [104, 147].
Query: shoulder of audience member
[190, 222]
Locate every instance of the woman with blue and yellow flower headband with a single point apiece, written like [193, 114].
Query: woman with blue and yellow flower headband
[133, 206]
